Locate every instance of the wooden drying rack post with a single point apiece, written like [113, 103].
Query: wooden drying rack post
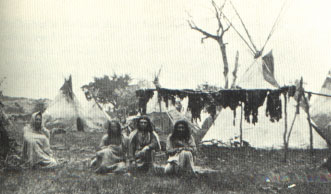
[241, 125]
[301, 94]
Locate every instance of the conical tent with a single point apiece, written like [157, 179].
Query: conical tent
[156, 109]
[321, 110]
[164, 117]
[204, 116]
[154, 105]
[207, 123]
[260, 74]
[66, 113]
[264, 134]
[94, 115]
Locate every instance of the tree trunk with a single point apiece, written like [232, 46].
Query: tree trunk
[234, 73]
[225, 62]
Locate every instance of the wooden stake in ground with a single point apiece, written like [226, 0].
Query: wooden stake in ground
[287, 135]
[306, 105]
[310, 128]
[285, 130]
[241, 125]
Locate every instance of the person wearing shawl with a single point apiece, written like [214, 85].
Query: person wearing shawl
[112, 153]
[180, 149]
[142, 142]
[36, 146]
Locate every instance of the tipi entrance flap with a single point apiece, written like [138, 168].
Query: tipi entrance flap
[260, 74]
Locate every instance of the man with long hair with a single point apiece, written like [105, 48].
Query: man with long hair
[112, 152]
[142, 142]
[181, 148]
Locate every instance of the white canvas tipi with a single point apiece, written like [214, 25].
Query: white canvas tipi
[264, 134]
[94, 115]
[66, 113]
[321, 110]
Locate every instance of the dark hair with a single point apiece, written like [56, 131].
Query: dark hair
[149, 123]
[181, 135]
[39, 114]
[108, 127]
[33, 117]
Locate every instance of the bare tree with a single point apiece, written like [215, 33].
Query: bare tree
[234, 73]
[218, 37]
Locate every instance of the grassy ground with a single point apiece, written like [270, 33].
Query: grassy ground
[241, 171]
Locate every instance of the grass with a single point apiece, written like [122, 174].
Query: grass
[241, 171]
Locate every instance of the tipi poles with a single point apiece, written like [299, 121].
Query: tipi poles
[99, 106]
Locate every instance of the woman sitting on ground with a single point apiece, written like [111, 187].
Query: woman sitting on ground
[36, 147]
[112, 152]
[142, 142]
[180, 148]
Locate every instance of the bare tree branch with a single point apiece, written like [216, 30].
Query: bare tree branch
[202, 39]
[208, 35]
[226, 29]
[218, 37]
[219, 12]
[220, 26]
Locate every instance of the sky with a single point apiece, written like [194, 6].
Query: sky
[42, 42]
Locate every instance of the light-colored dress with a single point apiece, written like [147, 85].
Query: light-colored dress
[183, 158]
[112, 156]
[36, 148]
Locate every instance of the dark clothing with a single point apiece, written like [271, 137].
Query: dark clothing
[141, 145]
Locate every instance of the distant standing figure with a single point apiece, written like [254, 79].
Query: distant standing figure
[181, 148]
[113, 150]
[36, 146]
[142, 142]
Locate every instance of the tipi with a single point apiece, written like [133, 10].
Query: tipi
[95, 115]
[66, 113]
[321, 110]
[264, 134]
[164, 117]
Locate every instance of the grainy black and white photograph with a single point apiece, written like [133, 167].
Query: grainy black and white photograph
[168, 96]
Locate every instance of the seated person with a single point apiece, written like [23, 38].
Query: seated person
[180, 149]
[126, 128]
[142, 142]
[111, 156]
[36, 146]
